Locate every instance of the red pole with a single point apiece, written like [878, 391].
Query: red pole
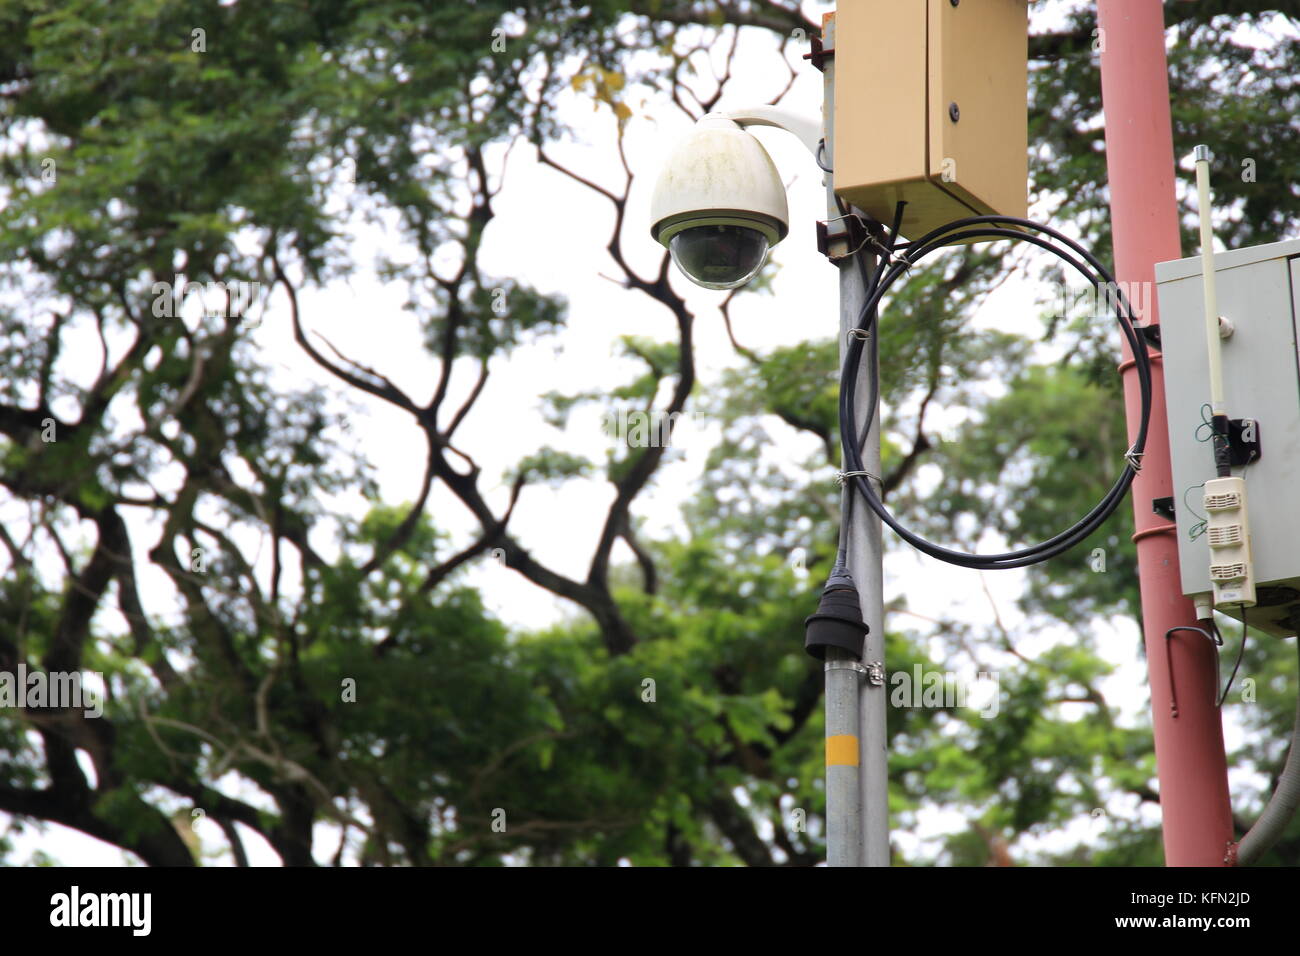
[1190, 762]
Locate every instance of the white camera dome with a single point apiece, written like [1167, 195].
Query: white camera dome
[719, 204]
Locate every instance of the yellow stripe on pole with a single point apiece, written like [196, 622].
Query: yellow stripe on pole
[842, 750]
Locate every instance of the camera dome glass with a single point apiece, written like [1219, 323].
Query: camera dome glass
[719, 256]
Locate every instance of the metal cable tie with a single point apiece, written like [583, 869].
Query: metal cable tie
[842, 476]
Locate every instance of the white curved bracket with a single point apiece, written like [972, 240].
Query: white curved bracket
[808, 131]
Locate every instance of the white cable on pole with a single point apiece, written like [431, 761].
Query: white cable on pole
[1212, 335]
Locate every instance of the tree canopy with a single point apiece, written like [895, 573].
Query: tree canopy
[149, 462]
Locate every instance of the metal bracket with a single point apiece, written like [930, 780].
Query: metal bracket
[1243, 441]
[819, 54]
[808, 131]
[1163, 507]
[873, 671]
[857, 666]
[851, 230]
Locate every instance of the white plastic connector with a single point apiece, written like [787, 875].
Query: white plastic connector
[1227, 530]
[1227, 536]
[1224, 500]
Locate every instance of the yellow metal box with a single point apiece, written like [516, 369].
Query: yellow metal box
[931, 108]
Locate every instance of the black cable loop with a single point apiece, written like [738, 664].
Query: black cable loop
[962, 230]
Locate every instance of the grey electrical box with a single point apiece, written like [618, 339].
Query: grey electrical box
[1259, 292]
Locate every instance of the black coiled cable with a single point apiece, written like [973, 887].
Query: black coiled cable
[963, 230]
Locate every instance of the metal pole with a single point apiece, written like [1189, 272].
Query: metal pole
[1190, 762]
[843, 787]
[866, 565]
[857, 804]
[865, 559]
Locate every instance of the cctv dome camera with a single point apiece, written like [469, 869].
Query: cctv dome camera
[719, 205]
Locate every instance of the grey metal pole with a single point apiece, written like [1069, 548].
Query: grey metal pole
[843, 754]
[843, 783]
[866, 560]
[857, 690]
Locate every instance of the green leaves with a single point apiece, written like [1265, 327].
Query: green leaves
[552, 467]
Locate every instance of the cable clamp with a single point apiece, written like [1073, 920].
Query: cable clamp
[857, 220]
[876, 673]
[1134, 459]
[854, 232]
[841, 477]
[889, 256]
[854, 251]
[900, 260]
[856, 666]
[858, 334]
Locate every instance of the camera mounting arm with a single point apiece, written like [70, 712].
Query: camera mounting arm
[809, 132]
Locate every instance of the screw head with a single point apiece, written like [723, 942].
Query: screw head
[954, 113]
[955, 2]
